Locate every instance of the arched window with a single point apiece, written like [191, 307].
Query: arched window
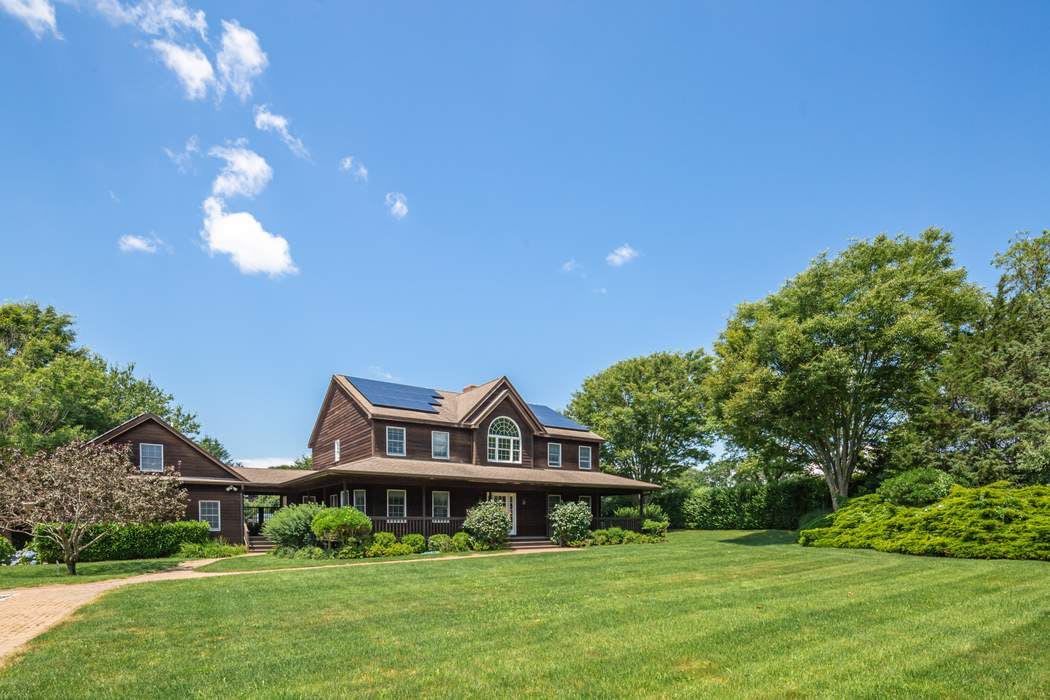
[504, 441]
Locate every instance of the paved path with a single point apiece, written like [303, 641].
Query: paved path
[28, 612]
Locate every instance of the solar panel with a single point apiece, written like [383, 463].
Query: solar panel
[412, 398]
[552, 419]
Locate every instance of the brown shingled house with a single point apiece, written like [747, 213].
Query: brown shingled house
[413, 459]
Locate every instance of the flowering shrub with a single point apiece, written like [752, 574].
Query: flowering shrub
[570, 522]
[488, 523]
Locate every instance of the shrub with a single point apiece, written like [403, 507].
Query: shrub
[570, 521]
[290, 526]
[776, 505]
[416, 541]
[653, 511]
[340, 524]
[7, 550]
[133, 541]
[440, 543]
[990, 522]
[916, 487]
[310, 552]
[213, 549]
[462, 542]
[655, 528]
[488, 523]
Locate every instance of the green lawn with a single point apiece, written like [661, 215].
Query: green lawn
[714, 613]
[45, 574]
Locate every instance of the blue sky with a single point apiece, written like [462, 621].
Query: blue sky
[511, 150]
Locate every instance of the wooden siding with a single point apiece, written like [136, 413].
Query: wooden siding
[177, 453]
[346, 421]
[231, 520]
[508, 409]
[570, 452]
[417, 440]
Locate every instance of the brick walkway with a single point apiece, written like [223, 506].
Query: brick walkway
[28, 612]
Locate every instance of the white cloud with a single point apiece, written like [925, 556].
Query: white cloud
[240, 235]
[265, 120]
[190, 65]
[349, 164]
[38, 15]
[241, 59]
[168, 17]
[266, 462]
[130, 243]
[397, 203]
[183, 159]
[570, 265]
[245, 173]
[621, 256]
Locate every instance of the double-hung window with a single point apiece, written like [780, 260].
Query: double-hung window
[395, 441]
[151, 457]
[585, 456]
[438, 444]
[553, 454]
[396, 503]
[440, 505]
[360, 498]
[337, 450]
[210, 512]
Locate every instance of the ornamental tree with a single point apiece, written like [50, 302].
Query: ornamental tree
[62, 494]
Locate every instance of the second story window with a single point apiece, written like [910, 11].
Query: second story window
[395, 441]
[553, 454]
[151, 457]
[585, 456]
[337, 448]
[504, 441]
[438, 444]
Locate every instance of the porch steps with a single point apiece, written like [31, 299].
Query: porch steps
[530, 543]
[260, 543]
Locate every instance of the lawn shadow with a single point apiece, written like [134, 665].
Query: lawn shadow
[764, 538]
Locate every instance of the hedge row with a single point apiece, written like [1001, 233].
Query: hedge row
[777, 505]
[131, 541]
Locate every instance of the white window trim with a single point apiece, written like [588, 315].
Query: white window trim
[364, 499]
[448, 444]
[448, 501]
[549, 462]
[218, 515]
[590, 456]
[489, 436]
[337, 449]
[151, 444]
[404, 441]
[404, 493]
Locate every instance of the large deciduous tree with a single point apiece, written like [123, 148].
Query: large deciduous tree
[820, 370]
[651, 412]
[62, 494]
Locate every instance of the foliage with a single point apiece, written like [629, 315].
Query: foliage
[656, 528]
[114, 542]
[570, 521]
[777, 505]
[62, 494]
[916, 487]
[462, 542]
[340, 524]
[290, 526]
[440, 543]
[7, 550]
[212, 549]
[988, 522]
[820, 371]
[651, 412]
[488, 524]
[652, 510]
[416, 541]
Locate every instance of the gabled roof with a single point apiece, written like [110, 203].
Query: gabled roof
[141, 418]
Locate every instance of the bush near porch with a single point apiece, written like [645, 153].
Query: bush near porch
[133, 541]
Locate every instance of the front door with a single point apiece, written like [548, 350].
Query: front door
[509, 501]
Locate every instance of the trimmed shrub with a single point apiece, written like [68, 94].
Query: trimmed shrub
[655, 528]
[653, 511]
[570, 521]
[776, 505]
[488, 524]
[440, 543]
[340, 524]
[290, 526]
[462, 542]
[7, 551]
[134, 541]
[416, 541]
[213, 549]
[916, 487]
[989, 522]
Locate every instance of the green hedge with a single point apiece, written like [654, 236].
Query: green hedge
[988, 522]
[777, 505]
[149, 541]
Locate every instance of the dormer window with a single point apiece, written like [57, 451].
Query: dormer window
[395, 441]
[504, 441]
[151, 457]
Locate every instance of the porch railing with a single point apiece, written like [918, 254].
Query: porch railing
[424, 526]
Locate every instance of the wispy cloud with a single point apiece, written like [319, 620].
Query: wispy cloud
[190, 66]
[265, 462]
[168, 17]
[38, 15]
[241, 59]
[570, 265]
[265, 120]
[377, 372]
[397, 204]
[354, 166]
[183, 159]
[253, 249]
[245, 173]
[131, 243]
[621, 256]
